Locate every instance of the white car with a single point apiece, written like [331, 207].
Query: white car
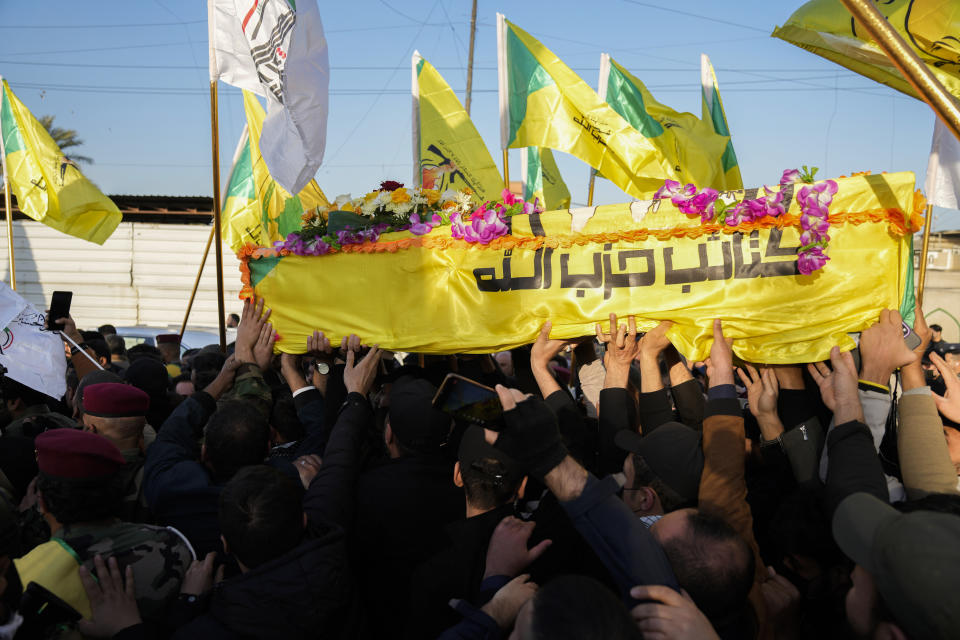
[192, 338]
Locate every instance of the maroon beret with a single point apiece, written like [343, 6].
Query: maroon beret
[168, 338]
[115, 400]
[74, 454]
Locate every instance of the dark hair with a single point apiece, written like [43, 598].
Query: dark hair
[261, 515]
[86, 500]
[714, 564]
[234, 316]
[143, 350]
[486, 483]
[11, 390]
[99, 346]
[936, 327]
[116, 344]
[582, 608]
[206, 366]
[283, 418]
[643, 476]
[236, 436]
[107, 330]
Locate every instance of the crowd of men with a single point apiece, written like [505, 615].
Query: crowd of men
[623, 492]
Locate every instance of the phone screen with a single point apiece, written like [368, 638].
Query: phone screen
[467, 400]
[59, 308]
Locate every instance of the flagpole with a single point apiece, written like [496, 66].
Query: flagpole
[215, 153]
[506, 169]
[473, 39]
[593, 179]
[928, 223]
[906, 60]
[196, 282]
[8, 207]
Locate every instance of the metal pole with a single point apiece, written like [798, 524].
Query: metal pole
[593, 179]
[9, 209]
[928, 223]
[906, 60]
[196, 283]
[473, 38]
[506, 169]
[215, 151]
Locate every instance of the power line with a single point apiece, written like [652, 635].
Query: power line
[99, 26]
[117, 48]
[697, 15]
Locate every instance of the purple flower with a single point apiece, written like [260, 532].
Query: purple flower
[418, 228]
[811, 260]
[789, 177]
[811, 237]
[297, 246]
[673, 189]
[814, 223]
[509, 198]
[772, 202]
[699, 205]
[740, 212]
[485, 225]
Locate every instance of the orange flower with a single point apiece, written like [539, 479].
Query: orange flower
[399, 196]
[309, 215]
[432, 195]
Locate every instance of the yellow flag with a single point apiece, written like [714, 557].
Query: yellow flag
[543, 103]
[438, 294]
[541, 179]
[49, 186]
[930, 27]
[448, 152]
[257, 210]
[714, 114]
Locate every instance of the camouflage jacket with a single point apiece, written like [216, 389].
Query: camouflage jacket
[134, 508]
[249, 385]
[159, 556]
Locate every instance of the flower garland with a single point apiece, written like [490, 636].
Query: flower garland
[393, 207]
[814, 201]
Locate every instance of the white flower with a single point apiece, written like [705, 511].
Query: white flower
[450, 195]
[403, 207]
[341, 200]
[464, 202]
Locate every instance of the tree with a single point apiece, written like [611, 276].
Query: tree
[65, 139]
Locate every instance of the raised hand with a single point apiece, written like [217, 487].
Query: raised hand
[882, 348]
[318, 345]
[113, 601]
[671, 616]
[308, 467]
[252, 320]
[949, 403]
[359, 377]
[912, 375]
[838, 387]
[655, 341]
[507, 553]
[622, 348]
[263, 349]
[720, 362]
[199, 577]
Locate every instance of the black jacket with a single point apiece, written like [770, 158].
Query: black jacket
[402, 507]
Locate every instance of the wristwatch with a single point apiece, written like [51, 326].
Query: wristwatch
[323, 368]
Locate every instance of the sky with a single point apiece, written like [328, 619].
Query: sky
[131, 77]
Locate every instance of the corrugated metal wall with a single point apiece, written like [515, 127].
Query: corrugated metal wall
[142, 275]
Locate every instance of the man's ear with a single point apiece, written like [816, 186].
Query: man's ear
[388, 437]
[226, 547]
[203, 452]
[648, 498]
[457, 477]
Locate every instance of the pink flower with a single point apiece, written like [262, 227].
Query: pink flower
[418, 228]
[740, 212]
[789, 177]
[772, 202]
[482, 228]
[699, 205]
[509, 198]
[672, 189]
[811, 260]
[814, 223]
[811, 237]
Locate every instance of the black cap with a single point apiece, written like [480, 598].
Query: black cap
[474, 447]
[673, 452]
[413, 419]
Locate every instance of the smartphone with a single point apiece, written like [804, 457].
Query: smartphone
[467, 400]
[59, 308]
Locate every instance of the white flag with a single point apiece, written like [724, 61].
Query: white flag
[276, 49]
[943, 169]
[32, 356]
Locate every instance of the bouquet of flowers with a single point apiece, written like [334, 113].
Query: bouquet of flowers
[394, 207]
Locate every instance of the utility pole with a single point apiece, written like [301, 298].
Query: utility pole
[473, 38]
